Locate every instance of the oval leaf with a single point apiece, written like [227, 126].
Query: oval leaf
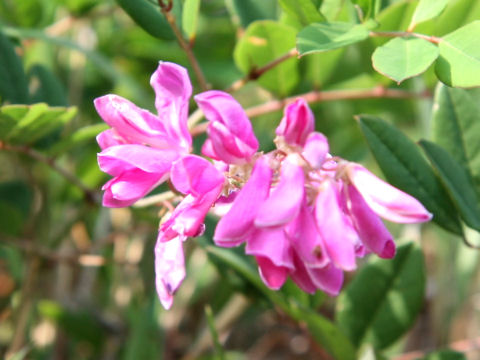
[459, 60]
[190, 12]
[457, 180]
[384, 298]
[405, 167]
[403, 58]
[263, 42]
[426, 10]
[328, 36]
[455, 127]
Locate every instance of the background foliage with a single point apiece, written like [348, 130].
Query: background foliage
[76, 279]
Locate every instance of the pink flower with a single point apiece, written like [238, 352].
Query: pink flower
[297, 123]
[140, 147]
[230, 134]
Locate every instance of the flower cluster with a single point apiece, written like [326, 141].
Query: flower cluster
[301, 212]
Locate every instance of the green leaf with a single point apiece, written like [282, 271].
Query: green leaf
[79, 137]
[455, 127]
[328, 36]
[403, 58]
[249, 11]
[305, 11]
[149, 17]
[369, 8]
[13, 83]
[459, 61]
[263, 42]
[16, 199]
[458, 182]
[405, 167]
[426, 10]
[384, 298]
[444, 355]
[32, 122]
[190, 13]
[214, 333]
[46, 87]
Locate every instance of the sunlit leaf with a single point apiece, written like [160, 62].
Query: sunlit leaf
[328, 36]
[405, 167]
[459, 60]
[403, 58]
[190, 14]
[384, 298]
[426, 10]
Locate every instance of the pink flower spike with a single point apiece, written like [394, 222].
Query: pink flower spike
[370, 228]
[235, 226]
[172, 91]
[169, 269]
[283, 204]
[384, 199]
[272, 275]
[230, 131]
[194, 175]
[316, 149]
[297, 123]
[338, 235]
[109, 138]
[328, 279]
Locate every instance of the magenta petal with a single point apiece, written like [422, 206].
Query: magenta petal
[338, 235]
[132, 123]
[115, 160]
[194, 175]
[208, 151]
[370, 228]
[297, 123]
[273, 244]
[386, 200]
[230, 129]
[284, 202]
[172, 91]
[169, 269]
[235, 226]
[328, 279]
[272, 275]
[306, 239]
[301, 277]
[109, 138]
[316, 149]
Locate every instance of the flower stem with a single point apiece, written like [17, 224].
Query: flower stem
[255, 73]
[186, 46]
[90, 194]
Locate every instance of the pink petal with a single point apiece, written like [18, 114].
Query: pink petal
[129, 187]
[301, 277]
[338, 235]
[316, 149]
[285, 200]
[235, 226]
[194, 175]
[273, 244]
[232, 126]
[306, 239]
[115, 160]
[169, 269]
[272, 275]
[109, 138]
[132, 123]
[172, 91]
[208, 150]
[386, 200]
[328, 279]
[370, 228]
[297, 123]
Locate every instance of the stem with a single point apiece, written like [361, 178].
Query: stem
[432, 39]
[90, 194]
[333, 95]
[256, 73]
[202, 82]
